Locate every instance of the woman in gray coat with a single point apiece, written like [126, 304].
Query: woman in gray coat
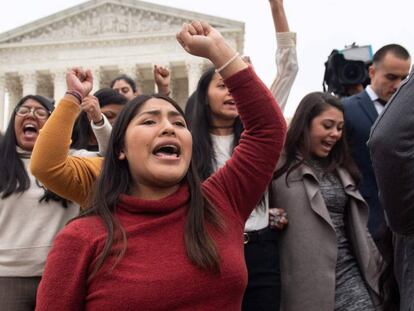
[328, 260]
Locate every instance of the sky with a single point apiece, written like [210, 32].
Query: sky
[321, 26]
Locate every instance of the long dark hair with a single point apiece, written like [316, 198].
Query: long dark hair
[201, 121]
[82, 131]
[298, 144]
[14, 177]
[115, 179]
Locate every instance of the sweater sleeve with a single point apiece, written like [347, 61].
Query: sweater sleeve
[64, 282]
[102, 134]
[68, 176]
[287, 67]
[245, 176]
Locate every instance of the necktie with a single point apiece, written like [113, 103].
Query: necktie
[381, 101]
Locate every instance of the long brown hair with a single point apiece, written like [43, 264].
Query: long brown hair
[298, 143]
[115, 179]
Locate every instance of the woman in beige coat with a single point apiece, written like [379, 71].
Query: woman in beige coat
[328, 259]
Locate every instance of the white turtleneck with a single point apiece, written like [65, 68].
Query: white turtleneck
[27, 228]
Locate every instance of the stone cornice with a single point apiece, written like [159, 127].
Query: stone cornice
[130, 39]
[132, 4]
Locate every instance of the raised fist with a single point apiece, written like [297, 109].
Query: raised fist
[79, 81]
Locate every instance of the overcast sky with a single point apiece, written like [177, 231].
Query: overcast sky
[321, 26]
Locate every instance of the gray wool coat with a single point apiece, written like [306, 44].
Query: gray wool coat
[392, 152]
[308, 246]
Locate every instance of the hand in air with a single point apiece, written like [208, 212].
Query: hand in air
[79, 81]
[199, 39]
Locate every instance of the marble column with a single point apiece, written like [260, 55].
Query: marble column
[194, 72]
[15, 94]
[29, 82]
[59, 84]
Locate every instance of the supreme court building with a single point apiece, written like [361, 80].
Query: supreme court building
[108, 36]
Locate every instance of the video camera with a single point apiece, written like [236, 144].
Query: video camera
[347, 68]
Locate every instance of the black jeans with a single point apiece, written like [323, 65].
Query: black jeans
[263, 287]
[18, 293]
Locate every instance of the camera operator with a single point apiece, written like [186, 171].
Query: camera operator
[391, 65]
[346, 71]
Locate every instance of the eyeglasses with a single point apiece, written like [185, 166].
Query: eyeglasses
[39, 113]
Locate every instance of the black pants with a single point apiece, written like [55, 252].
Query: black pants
[263, 287]
[18, 293]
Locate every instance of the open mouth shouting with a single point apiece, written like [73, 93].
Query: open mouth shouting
[167, 151]
[30, 130]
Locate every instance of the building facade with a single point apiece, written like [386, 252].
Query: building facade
[108, 36]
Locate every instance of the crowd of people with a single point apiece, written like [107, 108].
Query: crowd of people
[119, 200]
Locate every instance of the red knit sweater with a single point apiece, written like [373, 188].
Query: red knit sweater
[155, 273]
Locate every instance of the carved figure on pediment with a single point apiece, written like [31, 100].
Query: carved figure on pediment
[94, 26]
[46, 33]
[122, 24]
[67, 29]
[151, 24]
[108, 23]
[136, 25]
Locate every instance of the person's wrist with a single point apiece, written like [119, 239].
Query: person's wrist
[220, 53]
[74, 93]
[164, 90]
[98, 122]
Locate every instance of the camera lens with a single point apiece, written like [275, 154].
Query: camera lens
[353, 73]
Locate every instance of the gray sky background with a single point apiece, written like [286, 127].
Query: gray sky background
[321, 26]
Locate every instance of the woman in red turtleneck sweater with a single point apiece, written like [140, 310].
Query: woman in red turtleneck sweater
[155, 238]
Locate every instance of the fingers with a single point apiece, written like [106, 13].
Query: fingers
[278, 218]
[206, 27]
[198, 27]
[88, 76]
[183, 36]
[90, 103]
[192, 30]
[163, 71]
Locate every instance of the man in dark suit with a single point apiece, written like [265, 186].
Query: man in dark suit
[391, 65]
[392, 151]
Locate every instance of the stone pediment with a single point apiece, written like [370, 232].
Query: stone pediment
[101, 19]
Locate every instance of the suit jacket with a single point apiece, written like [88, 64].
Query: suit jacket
[392, 151]
[308, 246]
[360, 115]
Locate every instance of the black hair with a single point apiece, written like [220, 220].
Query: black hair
[115, 179]
[298, 145]
[127, 79]
[14, 177]
[82, 131]
[200, 121]
[189, 108]
[395, 49]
